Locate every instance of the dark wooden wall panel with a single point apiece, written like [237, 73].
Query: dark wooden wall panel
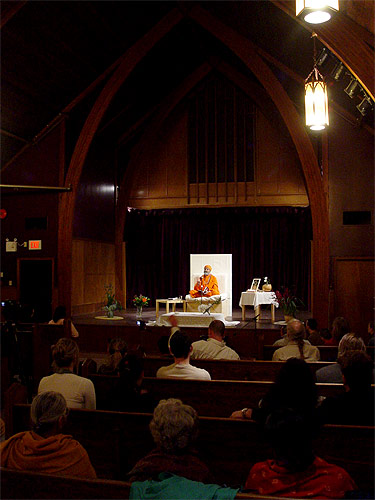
[354, 292]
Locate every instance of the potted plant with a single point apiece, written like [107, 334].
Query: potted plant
[112, 304]
[288, 303]
[140, 301]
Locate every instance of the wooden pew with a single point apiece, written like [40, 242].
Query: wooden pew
[115, 441]
[215, 398]
[327, 352]
[94, 338]
[30, 485]
[228, 369]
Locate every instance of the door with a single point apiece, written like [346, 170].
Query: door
[35, 284]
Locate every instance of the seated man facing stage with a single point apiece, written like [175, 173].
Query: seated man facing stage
[214, 347]
[206, 285]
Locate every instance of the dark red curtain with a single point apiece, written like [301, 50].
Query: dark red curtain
[263, 241]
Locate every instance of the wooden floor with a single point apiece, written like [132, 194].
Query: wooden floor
[129, 318]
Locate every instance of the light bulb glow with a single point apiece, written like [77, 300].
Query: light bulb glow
[316, 11]
[316, 105]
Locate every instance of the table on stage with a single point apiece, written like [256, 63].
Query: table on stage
[170, 301]
[256, 299]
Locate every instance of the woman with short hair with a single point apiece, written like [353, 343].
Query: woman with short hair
[45, 449]
[174, 428]
[79, 392]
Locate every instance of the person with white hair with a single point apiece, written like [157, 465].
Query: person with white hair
[45, 449]
[332, 374]
[174, 429]
[297, 346]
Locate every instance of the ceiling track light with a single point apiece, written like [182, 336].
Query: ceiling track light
[365, 106]
[338, 71]
[316, 11]
[352, 88]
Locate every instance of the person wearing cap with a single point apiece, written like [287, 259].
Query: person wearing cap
[45, 449]
[207, 285]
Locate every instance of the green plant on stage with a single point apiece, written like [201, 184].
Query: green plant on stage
[112, 304]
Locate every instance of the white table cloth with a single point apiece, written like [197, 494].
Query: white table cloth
[256, 298]
[193, 319]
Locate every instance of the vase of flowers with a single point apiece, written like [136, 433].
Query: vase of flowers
[288, 303]
[112, 304]
[140, 301]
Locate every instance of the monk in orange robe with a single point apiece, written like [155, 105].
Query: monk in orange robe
[206, 285]
[45, 449]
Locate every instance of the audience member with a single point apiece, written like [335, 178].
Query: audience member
[355, 406]
[181, 348]
[174, 428]
[297, 346]
[294, 387]
[129, 394]
[58, 318]
[78, 391]
[325, 334]
[214, 347]
[332, 374]
[294, 471]
[45, 449]
[339, 328]
[117, 349]
[282, 341]
[370, 331]
[313, 335]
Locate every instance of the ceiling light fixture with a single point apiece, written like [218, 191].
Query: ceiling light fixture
[338, 71]
[352, 88]
[316, 98]
[316, 11]
[364, 106]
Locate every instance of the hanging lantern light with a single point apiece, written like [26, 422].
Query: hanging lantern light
[316, 11]
[316, 98]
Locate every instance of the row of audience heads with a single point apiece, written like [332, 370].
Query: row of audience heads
[290, 425]
[65, 355]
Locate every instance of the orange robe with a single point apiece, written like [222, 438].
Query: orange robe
[59, 454]
[208, 285]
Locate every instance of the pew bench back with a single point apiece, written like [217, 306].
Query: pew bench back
[213, 398]
[115, 441]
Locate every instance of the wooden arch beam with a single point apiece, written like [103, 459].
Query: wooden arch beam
[149, 136]
[247, 52]
[67, 201]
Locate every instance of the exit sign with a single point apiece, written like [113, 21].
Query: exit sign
[35, 244]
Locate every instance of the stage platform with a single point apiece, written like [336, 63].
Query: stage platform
[149, 314]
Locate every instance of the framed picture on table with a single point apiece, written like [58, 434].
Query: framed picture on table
[255, 284]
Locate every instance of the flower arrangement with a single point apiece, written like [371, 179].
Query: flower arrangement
[288, 302]
[112, 303]
[141, 300]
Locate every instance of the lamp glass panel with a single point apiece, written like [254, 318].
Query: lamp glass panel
[316, 105]
[315, 5]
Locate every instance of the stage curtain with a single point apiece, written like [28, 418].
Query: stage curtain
[263, 241]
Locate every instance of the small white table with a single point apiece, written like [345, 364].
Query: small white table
[170, 301]
[256, 299]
